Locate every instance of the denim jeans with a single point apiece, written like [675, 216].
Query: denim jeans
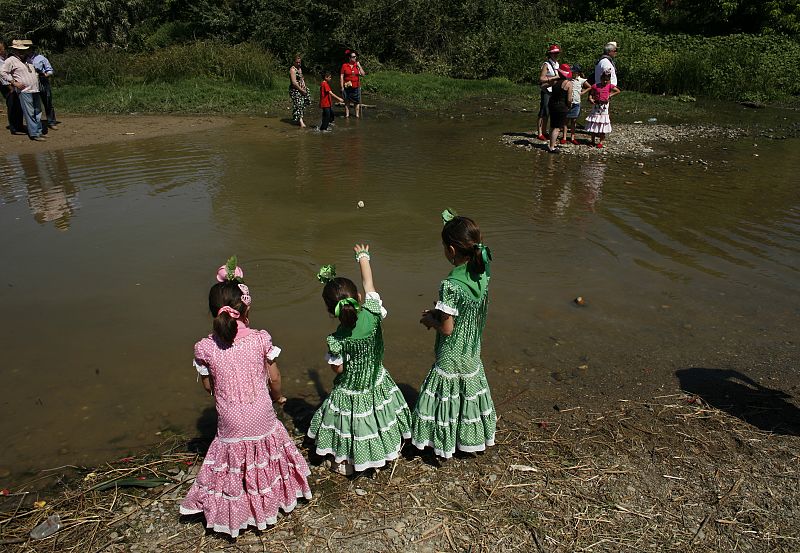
[32, 111]
[327, 117]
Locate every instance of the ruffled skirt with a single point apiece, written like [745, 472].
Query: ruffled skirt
[363, 427]
[599, 120]
[454, 411]
[245, 482]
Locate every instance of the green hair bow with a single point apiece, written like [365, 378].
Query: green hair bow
[486, 255]
[326, 274]
[343, 302]
[448, 215]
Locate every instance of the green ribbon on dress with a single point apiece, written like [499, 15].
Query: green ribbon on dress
[343, 302]
[473, 283]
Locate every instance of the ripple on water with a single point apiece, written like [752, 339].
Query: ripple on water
[293, 276]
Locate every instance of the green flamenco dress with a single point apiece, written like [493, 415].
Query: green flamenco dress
[365, 418]
[455, 409]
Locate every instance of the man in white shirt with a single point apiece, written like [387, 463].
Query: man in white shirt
[606, 63]
[25, 82]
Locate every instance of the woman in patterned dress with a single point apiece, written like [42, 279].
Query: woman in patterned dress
[252, 467]
[364, 420]
[298, 91]
[455, 410]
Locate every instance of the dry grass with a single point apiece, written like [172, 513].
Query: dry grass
[671, 474]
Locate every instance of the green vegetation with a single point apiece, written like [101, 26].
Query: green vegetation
[733, 49]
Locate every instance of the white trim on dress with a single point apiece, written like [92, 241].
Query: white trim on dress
[444, 308]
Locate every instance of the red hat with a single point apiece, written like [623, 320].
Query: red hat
[565, 70]
[553, 49]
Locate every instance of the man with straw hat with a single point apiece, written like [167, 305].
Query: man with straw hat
[25, 82]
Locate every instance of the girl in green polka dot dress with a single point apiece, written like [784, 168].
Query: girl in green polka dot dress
[365, 419]
[455, 409]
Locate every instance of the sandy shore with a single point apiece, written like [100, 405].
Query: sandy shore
[669, 474]
[86, 130]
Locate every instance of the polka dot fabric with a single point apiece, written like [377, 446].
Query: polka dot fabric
[455, 409]
[252, 468]
[365, 418]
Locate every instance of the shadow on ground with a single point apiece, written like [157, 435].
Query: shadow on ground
[739, 395]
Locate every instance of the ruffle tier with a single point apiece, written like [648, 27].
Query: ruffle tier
[363, 427]
[245, 482]
[454, 411]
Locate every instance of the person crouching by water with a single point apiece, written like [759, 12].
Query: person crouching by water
[559, 105]
[350, 81]
[547, 75]
[599, 121]
[25, 82]
[325, 102]
[298, 91]
[252, 468]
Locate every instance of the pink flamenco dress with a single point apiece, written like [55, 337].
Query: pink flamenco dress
[252, 468]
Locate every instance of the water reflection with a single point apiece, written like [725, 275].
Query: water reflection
[51, 195]
[565, 190]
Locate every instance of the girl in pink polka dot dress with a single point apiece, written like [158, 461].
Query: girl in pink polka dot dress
[252, 467]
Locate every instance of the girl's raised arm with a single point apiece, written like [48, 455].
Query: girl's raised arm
[362, 256]
[614, 92]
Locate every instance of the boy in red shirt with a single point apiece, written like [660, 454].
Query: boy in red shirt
[325, 95]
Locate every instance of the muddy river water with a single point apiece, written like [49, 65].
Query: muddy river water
[108, 253]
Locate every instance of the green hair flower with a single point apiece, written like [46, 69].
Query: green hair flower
[326, 274]
[448, 215]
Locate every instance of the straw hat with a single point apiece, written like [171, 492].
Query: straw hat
[20, 44]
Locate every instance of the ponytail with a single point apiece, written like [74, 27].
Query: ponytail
[340, 296]
[225, 328]
[348, 315]
[226, 306]
[464, 236]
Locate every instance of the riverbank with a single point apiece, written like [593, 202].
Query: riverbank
[669, 474]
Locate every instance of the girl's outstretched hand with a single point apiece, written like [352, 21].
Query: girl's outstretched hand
[281, 400]
[429, 319]
[359, 249]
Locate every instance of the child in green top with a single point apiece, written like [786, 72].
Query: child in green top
[455, 409]
[364, 420]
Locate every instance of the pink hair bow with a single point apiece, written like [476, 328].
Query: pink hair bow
[229, 310]
[246, 299]
[222, 273]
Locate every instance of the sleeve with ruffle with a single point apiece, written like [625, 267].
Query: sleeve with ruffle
[202, 357]
[334, 355]
[374, 304]
[448, 298]
[271, 351]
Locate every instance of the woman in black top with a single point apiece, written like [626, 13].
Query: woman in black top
[559, 104]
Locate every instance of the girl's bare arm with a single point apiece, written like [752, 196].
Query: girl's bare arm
[275, 382]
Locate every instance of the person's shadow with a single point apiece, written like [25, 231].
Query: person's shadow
[744, 398]
[206, 430]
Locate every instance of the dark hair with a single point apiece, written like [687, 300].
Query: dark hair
[336, 290]
[464, 236]
[327, 73]
[222, 294]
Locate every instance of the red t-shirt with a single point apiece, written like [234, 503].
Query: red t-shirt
[325, 95]
[350, 72]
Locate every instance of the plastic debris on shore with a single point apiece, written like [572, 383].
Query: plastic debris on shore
[50, 526]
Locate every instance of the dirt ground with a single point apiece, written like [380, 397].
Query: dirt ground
[669, 474]
[86, 130]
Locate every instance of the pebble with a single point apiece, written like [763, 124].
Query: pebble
[361, 492]
[113, 535]
[360, 204]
